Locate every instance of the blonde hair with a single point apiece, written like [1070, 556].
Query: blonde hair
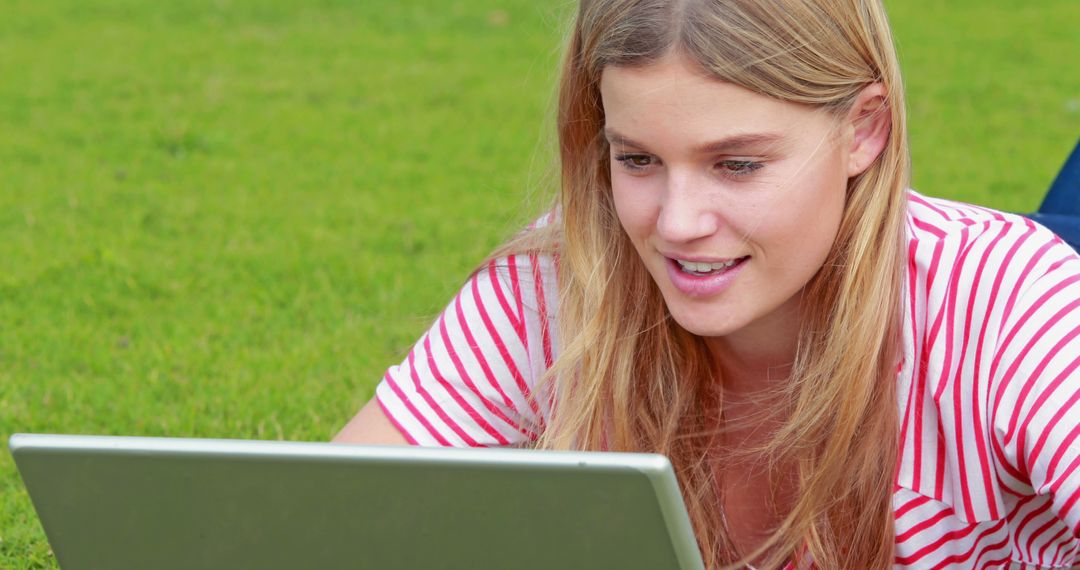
[629, 378]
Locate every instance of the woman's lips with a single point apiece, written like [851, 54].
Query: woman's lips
[704, 285]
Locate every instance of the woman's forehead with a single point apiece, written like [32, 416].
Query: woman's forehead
[672, 99]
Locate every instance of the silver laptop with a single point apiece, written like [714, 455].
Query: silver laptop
[156, 503]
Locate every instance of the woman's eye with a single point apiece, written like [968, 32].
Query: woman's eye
[635, 161]
[738, 167]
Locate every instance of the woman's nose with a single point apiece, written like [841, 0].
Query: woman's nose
[686, 210]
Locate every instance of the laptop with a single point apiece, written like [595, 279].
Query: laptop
[123, 503]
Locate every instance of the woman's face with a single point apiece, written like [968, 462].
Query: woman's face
[732, 199]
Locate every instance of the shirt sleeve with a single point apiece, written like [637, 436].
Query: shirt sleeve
[1036, 403]
[470, 379]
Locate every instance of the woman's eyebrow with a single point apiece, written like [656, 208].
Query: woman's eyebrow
[726, 144]
[740, 142]
[615, 139]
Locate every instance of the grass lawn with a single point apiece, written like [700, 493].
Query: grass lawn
[226, 218]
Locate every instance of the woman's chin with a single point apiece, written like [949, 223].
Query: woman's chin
[702, 324]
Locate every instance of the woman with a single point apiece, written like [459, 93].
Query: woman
[841, 370]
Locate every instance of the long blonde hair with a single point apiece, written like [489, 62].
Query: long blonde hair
[629, 378]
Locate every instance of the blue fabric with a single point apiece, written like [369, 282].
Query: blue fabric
[1060, 210]
[1063, 199]
[1066, 227]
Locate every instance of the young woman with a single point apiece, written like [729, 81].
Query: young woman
[844, 373]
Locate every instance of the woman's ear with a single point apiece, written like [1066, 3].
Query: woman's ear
[870, 122]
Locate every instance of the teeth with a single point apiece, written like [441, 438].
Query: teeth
[704, 267]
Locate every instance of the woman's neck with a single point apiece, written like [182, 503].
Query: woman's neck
[758, 358]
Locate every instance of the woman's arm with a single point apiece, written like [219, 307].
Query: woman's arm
[370, 426]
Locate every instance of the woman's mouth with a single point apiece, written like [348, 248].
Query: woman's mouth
[704, 278]
[699, 269]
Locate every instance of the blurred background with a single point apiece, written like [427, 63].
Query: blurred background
[226, 218]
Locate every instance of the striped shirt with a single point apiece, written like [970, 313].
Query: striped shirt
[987, 395]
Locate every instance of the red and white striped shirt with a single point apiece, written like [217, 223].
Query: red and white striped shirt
[989, 469]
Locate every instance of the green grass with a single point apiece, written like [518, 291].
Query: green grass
[226, 218]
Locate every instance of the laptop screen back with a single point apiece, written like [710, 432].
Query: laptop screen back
[120, 503]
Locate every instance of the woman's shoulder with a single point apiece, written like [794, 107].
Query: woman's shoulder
[527, 266]
[972, 270]
[518, 287]
[984, 291]
[991, 342]
[469, 380]
[523, 285]
[972, 243]
[939, 219]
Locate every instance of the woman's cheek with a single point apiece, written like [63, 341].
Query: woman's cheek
[635, 204]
